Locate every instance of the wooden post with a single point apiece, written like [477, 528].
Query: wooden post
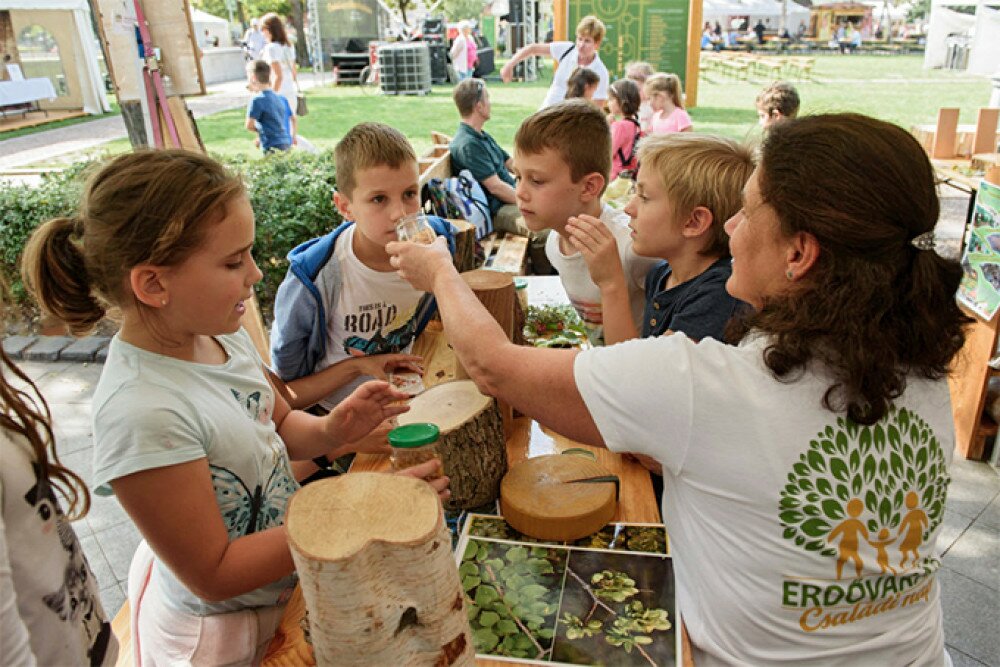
[970, 376]
[472, 446]
[695, 14]
[945, 135]
[495, 290]
[985, 138]
[380, 583]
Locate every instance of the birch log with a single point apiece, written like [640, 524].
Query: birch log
[472, 444]
[379, 580]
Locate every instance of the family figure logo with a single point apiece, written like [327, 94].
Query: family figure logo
[868, 498]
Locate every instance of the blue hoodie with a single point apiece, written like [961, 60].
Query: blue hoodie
[298, 336]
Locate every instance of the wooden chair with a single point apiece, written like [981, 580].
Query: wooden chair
[440, 139]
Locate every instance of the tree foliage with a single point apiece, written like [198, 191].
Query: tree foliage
[456, 10]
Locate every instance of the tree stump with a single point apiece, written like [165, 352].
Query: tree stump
[495, 290]
[380, 583]
[472, 444]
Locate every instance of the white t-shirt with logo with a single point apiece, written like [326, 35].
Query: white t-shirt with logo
[560, 80]
[373, 312]
[152, 411]
[583, 293]
[798, 536]
[50, 609]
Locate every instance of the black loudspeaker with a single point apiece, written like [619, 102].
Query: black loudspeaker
[433, 25]
[439, 62]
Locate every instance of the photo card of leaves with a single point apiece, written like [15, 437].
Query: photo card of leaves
[607, 599]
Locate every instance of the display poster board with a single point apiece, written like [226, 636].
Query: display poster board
[606, 599]
[652, 30]
[172, 33]
[980, 287]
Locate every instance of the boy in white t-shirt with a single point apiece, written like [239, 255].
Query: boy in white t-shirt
[562, 159]
[343, 315]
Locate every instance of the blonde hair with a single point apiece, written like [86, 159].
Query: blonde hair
[593, 27]
[701, 170]
[368, 145]
[639, 71]
[576, 130]
[147, 207]
[665, 83]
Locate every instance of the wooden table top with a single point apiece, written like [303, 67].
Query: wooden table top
[528, 439]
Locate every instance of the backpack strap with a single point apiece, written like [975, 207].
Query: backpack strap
[566, 53]
[635, 139]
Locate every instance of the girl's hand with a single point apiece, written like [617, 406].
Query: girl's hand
[419, 264]
[379, 365]
[597, 244]
[368, 406]
[425, 470]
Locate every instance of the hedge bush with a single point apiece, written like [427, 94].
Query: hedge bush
[291, 195]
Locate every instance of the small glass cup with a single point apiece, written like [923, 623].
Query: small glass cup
[415, 228]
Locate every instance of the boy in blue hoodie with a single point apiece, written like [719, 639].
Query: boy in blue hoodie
[342, 315]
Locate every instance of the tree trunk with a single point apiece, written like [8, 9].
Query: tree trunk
[302, 45]
[495, 290]
[377, 573]
[472, 446]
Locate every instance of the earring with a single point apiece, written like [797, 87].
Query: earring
[163, 302]
[790, 275]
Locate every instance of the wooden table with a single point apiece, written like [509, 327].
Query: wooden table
[528, 439]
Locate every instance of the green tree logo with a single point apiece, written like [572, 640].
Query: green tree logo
[866, 482]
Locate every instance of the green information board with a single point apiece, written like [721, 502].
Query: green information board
[652, 30]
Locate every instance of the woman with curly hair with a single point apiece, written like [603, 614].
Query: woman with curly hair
[821, 440]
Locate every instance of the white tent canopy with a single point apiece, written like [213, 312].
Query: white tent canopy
[85, 52]
[982, 29]
[767, 10]
[216, 27]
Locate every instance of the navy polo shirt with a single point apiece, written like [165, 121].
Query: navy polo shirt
[480, 154]
[700, 307]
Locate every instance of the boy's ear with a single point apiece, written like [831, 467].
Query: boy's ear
[698, 223]
[146, 281]
[593, 186]
[343, 205]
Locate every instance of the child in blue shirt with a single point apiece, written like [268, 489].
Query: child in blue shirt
[688, 186]
[268, 114]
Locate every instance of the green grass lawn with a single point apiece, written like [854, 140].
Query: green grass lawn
[894, 88]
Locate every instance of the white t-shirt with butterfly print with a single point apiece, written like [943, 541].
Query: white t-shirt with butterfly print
[152, 411]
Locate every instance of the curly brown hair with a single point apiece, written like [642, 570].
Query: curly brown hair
[877, 309]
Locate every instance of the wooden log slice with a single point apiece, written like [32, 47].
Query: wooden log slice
[536, 499]
[472, 445]
[380, 584]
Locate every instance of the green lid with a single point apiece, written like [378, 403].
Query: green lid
[520, 283]
[413, 435]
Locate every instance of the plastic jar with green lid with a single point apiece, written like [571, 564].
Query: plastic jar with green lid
[521, 289]
[414, 444]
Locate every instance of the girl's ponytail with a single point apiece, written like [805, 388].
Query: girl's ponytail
[54, 271]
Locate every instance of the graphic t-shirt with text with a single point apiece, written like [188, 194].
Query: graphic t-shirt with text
[374, 313]
[799, 536]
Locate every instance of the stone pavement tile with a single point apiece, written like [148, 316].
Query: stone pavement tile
[991, 515]
[971, 616]
[84, 349]
[74, 384]
[37, 371]
[976, 554]
[119, 544]
[105, 512]
[102, 355]
[112, 599]
[974, 485]
[98, 563]
[952, 527]
[71, 424]
[959, 659]
[15, 346]
[47, 348]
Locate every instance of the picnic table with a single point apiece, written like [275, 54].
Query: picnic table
[528, 439]
[23, 95]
